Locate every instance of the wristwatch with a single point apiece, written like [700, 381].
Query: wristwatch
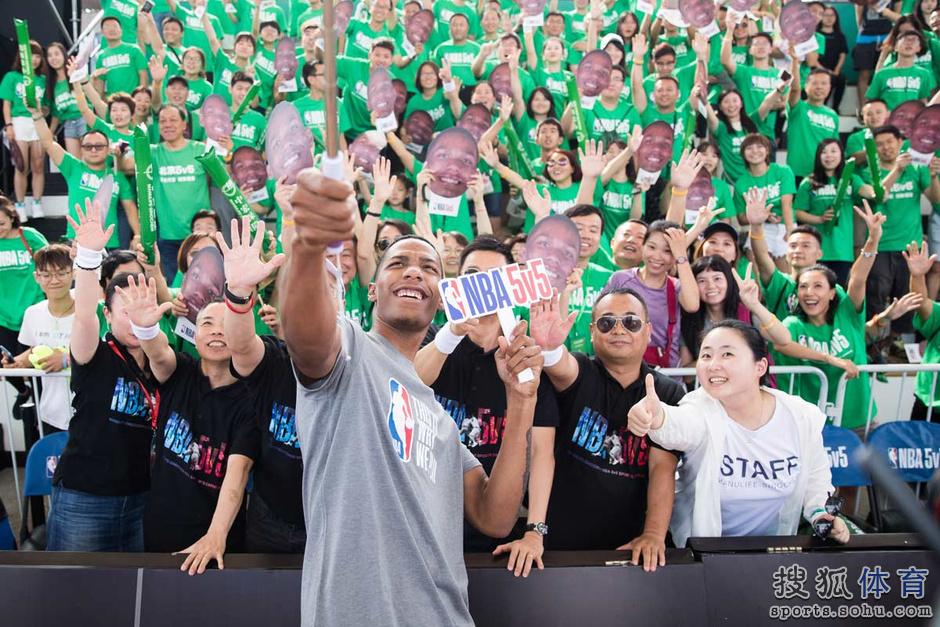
[681, 260]
[539, 528]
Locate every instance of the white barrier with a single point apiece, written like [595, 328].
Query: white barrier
[819, 374]
[34, 376]
[872, 371]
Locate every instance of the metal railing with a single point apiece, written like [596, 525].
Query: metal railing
[821, 402]
[872, 371]
[33, 376]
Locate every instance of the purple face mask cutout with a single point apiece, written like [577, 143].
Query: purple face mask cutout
[419, 26]
[452, 159]
[796, 22]
[593, 73]
[285, 58]
[700, 191]
[475, 120]
[288, 143]
[401, 96]
[741, 6]
[904, 114]
[698, 13]
[364, 152]
[656, 148]
[380, 93]
[342, 14]
[532, 7]
[203, 281]
[248, 169]
[925, 134]
[555, 240]
[420, 127]
[216, 117]
[500, 81]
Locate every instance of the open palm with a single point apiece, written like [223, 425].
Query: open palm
[244, 267]
[547, 326]
[88, 229]
[140, 301]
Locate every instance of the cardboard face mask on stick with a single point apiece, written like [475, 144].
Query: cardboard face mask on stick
[381, 100]
[501, 81]
[700, 192]
[201, 285]
[799, 27]
[655, 151]
[401, 97]
[533, 14]
[904, 115]
[700, 14]
[556, 241]
[285, 64]
[217, 120]
[103, 198]
[420, 128]
[925, 135]
[475, 120]
[250, 173]
[593, 76]
[288, 143]
[365, 152]
[452, 159]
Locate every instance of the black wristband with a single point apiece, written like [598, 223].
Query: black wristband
[232, 298]
[373, 214]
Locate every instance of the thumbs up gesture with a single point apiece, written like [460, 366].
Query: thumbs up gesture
[648, 414]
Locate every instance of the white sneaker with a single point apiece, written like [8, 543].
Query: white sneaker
[21, 212]
[35, 209]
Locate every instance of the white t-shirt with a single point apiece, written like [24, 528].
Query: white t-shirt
[758, 471]
[41, 328]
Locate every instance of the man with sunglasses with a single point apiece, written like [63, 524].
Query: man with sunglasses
[84, 176]
[610, 489]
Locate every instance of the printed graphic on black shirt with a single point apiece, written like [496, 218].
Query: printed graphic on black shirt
[283, 430]
[199, 459]
[128, 399]
[624, 453]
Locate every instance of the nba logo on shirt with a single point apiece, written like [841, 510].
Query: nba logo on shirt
[401, 422]
[453, 299]
[893, 457]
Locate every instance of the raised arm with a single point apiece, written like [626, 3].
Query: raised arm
[637, 91]
[688, 297]
[757, 213]
[550, 328]
[592, 166]
[488, 153]
[919, 264]
[214, 44]
[398, 147]
[90, 240]
[727, 42]
[323, 213]
[684, 172]
[49, 144]
[618, 163]
[475, 194]
[858, 276]
[140, 302]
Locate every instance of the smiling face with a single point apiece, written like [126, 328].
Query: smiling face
[712, 287]
[874, 114]
[619, 345]
[590, 228]
[831, 156]
[627, 244]
[420, 127]
[700, 192]
[288, 143]
[797, 22]
[381, 94]
[556, 241]
[593, 73]
[210, 334]
[726, 366]
[803, 250]
[216, 118]
[248, 169]
[419, 26]
[656, 147]
[904, 114]
[925, 136]
[815, 294]
[452, 159]
[405, 290]
[171, 124]
[722, 245]
[452, 250]
[285, 58]
[476, 119]
[698, 13]
[657, 256]
[204, 279]
[364, 152]
[730, 104]
[347, 261]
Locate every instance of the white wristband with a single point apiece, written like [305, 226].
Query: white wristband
[88, 259]
[446, 340]
[145, 333]
[552, 357]
[449, 86]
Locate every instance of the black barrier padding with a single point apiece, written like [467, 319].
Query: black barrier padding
[760, 544]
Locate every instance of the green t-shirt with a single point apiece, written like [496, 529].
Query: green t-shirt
[676, 119]
[199, 90]
[461, 57]
[616, 203]
[837, 234]
[460, 222]
[123, 62]
[126, 13]
[754, 85]
[225, 68]
[18, 288]
[64, 105]
[359, 38]
[249, 131]
[265, 73]
[608, 125]
[929, 329]
[729, 144]
[358, 307]
[436, 106]
[556, 83]
[856, 141]
[355, 95]
[194, 34]
[895, 85]
[807, 126]
[445, 9]
[180, 188]
[12, 89]
[313, 113]
[684, 74]
[845, 339]
[562, 199]
[83, 182]
[390, 213]
[778, 181]
[902, 206]
[593, 280]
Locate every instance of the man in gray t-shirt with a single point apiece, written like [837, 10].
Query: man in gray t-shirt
[386, 481]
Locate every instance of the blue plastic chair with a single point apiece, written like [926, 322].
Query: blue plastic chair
[912, 449]
[40, 466]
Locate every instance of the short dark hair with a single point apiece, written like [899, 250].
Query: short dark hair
[387, 43]
[621, 291]
[584, 209]
[887, 129]
[664, 50]
[111, 262]
[659, 226]
[206, 213]
[309, 70]
[766, 36]
[486, 243]
[53, 255]
[94, 131]
[124, 98]
[402, 238]
[874, 101]
[756, 138]
[170, 105]
[272, 23]
[808, 230]
[550, 122]
[120, 280]
[749, 334]
[173, 20]
[242, 77]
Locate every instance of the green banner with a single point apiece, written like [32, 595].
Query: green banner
[848, 171]
[580, 126]
[517, 152]
[143, 170]
[26, 60]
[872, 154]
[215, 168]
[251, 95]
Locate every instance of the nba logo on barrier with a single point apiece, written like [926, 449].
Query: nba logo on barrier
[51, 462]
[893, 457]
[401, 421]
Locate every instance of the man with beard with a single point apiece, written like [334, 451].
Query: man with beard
[416, 483]
[466, 383]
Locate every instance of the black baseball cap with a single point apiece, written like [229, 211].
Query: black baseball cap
[719, 227]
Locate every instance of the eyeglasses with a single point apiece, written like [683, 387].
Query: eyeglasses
[94, 146]
[630, 322]
[46, 276]
[559, 162]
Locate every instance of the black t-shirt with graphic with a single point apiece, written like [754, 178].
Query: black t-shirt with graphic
[199, 428]
[108, 450]
[470, 390]
[278, 473]
[598, 497]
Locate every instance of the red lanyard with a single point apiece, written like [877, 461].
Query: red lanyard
[153, 400]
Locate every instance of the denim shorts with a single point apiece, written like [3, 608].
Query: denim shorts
[74, 129]
[79, 521]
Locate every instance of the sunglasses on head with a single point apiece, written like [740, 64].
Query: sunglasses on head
[630, 322]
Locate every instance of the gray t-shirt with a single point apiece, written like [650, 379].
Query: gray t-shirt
[383, 493]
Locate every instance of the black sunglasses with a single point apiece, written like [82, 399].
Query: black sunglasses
[382, 244]
[630, 322]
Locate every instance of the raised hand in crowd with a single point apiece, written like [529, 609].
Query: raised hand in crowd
[244, 267]
[540, 204]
